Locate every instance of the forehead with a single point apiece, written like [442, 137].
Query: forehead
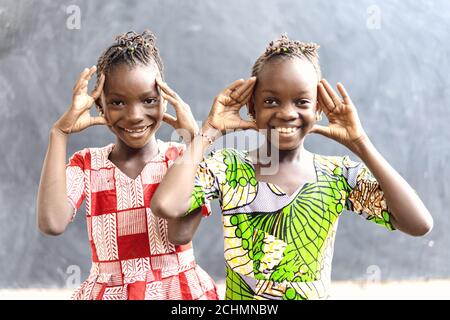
[281, 75]
[124, 78]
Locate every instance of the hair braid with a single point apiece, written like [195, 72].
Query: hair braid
[283, 47]
[130, 48]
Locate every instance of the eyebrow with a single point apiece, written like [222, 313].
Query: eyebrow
[276, 92]
[145, 94]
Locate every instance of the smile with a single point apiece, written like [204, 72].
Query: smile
[137, 130]
[286, 129]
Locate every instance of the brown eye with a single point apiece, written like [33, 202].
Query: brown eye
[117, 103]
[270, 102]
[151, 101]
[303, 102]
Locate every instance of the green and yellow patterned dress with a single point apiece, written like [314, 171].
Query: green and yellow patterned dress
[278, 246]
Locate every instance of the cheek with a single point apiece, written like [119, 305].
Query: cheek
[109, 116]
[262, 116]
[309, 114]
[158, 113]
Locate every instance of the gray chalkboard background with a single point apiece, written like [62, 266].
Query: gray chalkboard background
[393, 57]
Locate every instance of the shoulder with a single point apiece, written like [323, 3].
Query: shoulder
[170, 150]
[223, 162]
[91, 158]
[336, 165]
[228, 156]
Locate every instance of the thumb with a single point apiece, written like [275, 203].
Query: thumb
[171, 120]
[325, 131]
[98, 121]
[248, 125]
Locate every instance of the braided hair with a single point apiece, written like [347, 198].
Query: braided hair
[131, 48]
[284, 48]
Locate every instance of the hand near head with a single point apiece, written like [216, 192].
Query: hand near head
[78, 117]
[344, 125]
[224, 114]
[184, 121]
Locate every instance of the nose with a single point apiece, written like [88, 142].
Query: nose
[135, 113]
[287, 112]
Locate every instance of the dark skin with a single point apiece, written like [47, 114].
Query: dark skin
[285, 100]
[133, 102]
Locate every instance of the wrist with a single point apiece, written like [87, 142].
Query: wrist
[210, 131]
[360, 145]
[55, 131]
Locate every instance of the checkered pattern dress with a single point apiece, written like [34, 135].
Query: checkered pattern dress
[131, 255]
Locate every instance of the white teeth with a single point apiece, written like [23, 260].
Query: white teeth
[136, 131]
[286, 130]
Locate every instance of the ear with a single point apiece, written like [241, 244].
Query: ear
[164, 105]
[99, 105]
[318, 108]
[251, 106]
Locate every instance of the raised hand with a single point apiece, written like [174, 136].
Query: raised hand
[184, 121]
[224, 114]
[344, 125]
[77, 117]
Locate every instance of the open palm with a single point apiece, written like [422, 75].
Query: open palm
[224, 114]
[344, 125]
[77, 117]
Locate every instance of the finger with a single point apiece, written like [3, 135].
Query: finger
[83, 87]
[344, 93]
[325, 100]
[171, 120]
[173, 101]
[247, 85]
[98, 121]
[325, 131]
[167, 90]
[248, 93]
[331, 92]
[95, 94]
[80, 79]
[243, 96]
[247, 125]
[228, 90]
[243, 99]
[91, 71]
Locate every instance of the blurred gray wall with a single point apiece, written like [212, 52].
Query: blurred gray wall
[393, 57]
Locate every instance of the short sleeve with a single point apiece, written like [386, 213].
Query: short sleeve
[75, 187]
[173, 151]
[366, 197]
[205, 188]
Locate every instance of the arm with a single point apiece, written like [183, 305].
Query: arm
[408, 213]
[54, 211]
[178, 183]
[182, 230]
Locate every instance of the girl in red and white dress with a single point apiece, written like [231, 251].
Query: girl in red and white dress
[131, 255]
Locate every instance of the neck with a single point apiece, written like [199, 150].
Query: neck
[288, 156]
[123, 152]
[282, 156]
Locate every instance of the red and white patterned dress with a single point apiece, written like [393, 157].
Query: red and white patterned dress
[131, 255]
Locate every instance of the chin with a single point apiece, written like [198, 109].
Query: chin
[137, 143]
[287, 145]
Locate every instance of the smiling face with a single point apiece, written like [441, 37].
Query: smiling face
[285, 100]
[132, 104]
